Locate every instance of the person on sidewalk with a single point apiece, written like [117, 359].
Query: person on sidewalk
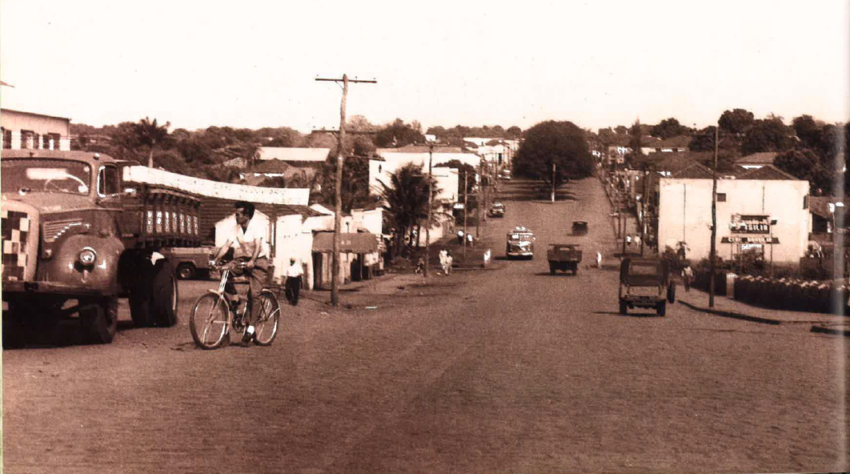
[449, 260]
[598, 259]
[443, 255]
[293, 281]
[687, 277]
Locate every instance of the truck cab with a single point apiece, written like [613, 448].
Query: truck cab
[645, 283]
[75, 239]
[520, 243]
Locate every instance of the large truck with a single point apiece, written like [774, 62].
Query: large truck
[78, 233]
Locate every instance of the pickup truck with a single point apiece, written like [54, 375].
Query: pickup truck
[190, 263]
[563, 257]
[646, 283]
[77, 235]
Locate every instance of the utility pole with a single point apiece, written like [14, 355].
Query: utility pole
[713, 220]
[339, 162]
[480, 202]
[430, 199]
[643, 213]
[553, 182]
[465, 209]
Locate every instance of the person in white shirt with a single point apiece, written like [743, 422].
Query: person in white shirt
[247, 238]
[293, 281]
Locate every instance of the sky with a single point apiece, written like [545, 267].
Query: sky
[252, 64]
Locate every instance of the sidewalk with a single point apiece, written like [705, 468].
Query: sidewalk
[730, 308]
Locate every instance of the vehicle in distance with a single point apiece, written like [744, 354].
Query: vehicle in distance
[563, 257]
[579, 227]
[497, 210]
[645, 283]
[505, 174]
[520, 243]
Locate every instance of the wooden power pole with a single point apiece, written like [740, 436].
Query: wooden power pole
[339, 162]
[713, 221]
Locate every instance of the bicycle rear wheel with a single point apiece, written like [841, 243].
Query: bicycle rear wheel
[268, 318]
[208, 321]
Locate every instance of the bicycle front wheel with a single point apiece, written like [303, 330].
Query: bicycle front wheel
[208, 321]
[268, 318]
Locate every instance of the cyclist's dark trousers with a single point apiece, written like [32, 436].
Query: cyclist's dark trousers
[257, 278]
[293, 287]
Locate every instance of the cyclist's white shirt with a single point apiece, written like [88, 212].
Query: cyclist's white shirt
[245, 240]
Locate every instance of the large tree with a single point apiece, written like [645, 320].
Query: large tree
[461, 167]
[805, 164]
[150, 134]
[355, 183]
[767, 135]
[736, 121]
[406, 202]
[559, 144]
[398, 134]
[668, 128]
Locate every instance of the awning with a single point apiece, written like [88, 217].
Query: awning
[360, 242]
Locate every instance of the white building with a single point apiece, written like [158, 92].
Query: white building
[31, 131]
[763, 210]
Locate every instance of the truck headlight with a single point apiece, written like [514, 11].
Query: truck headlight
[87, 256]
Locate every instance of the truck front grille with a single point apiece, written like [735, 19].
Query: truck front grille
[16, 228]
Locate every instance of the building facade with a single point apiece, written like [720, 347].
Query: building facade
[765, 212]
[31, 131]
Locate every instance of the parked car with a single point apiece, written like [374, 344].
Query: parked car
[646, 283]
[497, 210]
[564, 257]
[506, 174]
[520, 243]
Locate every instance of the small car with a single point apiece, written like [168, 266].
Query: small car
[579, 227]
[646, 283]
[520, 243]
[497, 210]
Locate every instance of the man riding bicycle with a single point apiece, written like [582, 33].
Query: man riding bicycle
[251, 248]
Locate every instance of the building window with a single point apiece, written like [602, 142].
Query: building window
[54, 137]
[26, 139]
[721, 197]
[45, 141]
[7, 138]
[36, 140]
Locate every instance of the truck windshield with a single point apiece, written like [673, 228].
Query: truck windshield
[45, 175]
[644, 269]
[521, 237]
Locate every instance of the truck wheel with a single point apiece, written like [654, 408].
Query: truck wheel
[552, 268]
[575, 270]
[624, 308]
[671, 292]
[100, 320]
[661, 308]
[165, 288]
[141, 296]
[186, 271]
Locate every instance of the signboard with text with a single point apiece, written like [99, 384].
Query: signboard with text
[749, 224]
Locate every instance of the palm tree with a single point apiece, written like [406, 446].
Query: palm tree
[150, 134]
[406, 201]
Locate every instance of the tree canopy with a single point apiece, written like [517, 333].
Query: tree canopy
[549, 143]
[668, 128]
[736, 121]
[767, 135]
[399, 134]
[406, 202]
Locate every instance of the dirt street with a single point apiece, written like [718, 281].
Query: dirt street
[505, 368]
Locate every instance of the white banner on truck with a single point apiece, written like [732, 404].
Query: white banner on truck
[205, 187]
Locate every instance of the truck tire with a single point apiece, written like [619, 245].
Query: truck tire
[141, 296]
[575, 269]
[661, 308]
[624, 308]
[671, 292]
[186, 271]
[164, 286]
[552, 268]
[99, 320]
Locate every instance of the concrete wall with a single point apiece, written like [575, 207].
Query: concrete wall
[446, 178]
[685, 215]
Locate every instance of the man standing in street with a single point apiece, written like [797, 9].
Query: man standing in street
[247, 238]
[293, 281]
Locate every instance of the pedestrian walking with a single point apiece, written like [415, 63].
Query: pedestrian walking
[470, 240]
[687, 276]
[293, 281]
[598, 259]
[460, 237]
[443, 256]
[449, 261]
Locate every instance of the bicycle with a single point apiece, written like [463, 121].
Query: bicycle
[213, 317]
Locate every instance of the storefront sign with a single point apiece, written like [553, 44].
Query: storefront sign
[749, 224]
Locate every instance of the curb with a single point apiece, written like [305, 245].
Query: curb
[834, 332]
[733, 315]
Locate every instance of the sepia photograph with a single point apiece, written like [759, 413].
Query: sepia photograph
[326, 237]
